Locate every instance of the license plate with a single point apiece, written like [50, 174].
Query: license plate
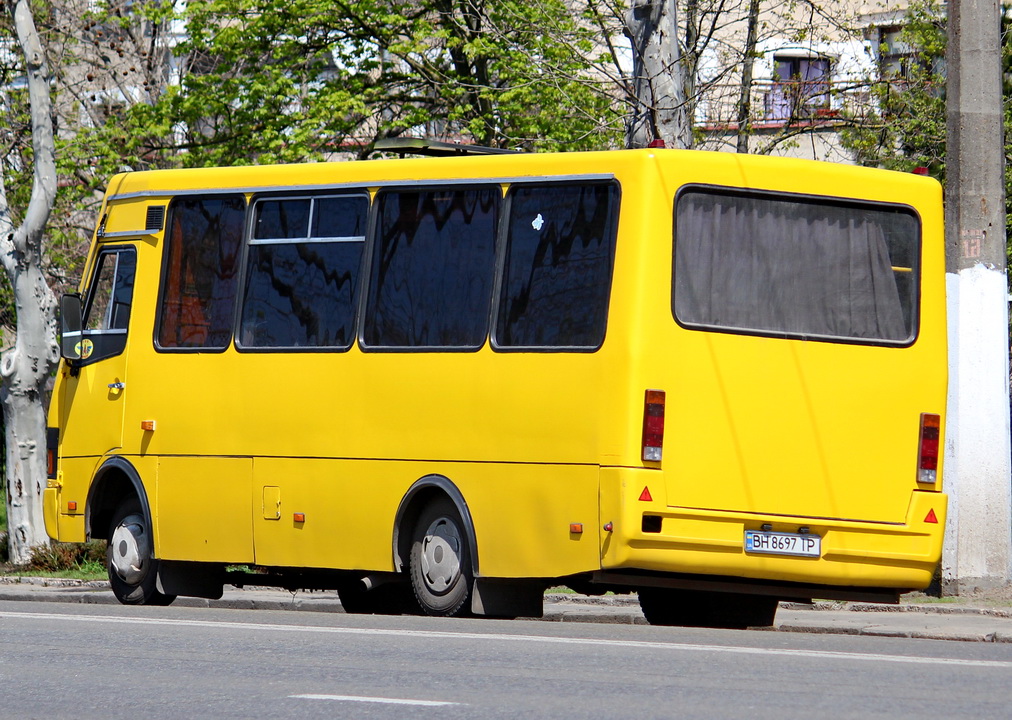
[772, 543]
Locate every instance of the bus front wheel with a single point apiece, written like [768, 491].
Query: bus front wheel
[440, 561]
[697, 608]
[133, 570]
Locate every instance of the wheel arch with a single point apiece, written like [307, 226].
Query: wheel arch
[115, 480]
[415, 499]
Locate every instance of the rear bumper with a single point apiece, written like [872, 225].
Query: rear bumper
[901, 556]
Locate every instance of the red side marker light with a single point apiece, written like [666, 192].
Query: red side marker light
[921, 171]
[645, 496]
[931, 518]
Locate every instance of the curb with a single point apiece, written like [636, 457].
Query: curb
[559, 607]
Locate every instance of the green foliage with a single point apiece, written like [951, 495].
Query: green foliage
[275, 81]
[908, 128]
[86, 558]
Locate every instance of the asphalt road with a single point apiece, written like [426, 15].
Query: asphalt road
[76, 661]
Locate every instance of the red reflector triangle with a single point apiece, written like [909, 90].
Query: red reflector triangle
[931, 518]
[645, 495]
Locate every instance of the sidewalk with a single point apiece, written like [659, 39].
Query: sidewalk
[934, 621]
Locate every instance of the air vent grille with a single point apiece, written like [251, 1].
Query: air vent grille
[156, 216]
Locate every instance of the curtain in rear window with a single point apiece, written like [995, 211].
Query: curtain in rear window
[797, 267]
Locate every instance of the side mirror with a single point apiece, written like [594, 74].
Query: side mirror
[70, 327]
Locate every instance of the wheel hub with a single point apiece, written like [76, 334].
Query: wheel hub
[440, 556]
[128, 550]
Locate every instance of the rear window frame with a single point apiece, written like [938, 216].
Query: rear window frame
[917, 255]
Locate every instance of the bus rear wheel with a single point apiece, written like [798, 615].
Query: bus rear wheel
[440, 561]
[133, 570]
[697, 608]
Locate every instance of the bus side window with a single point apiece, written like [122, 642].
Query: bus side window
[302, 270]
[107, 312]
[433, 267]
[201, 272]
[559, 256]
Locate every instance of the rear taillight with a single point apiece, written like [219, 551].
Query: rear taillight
[653, 426]
[927, 467]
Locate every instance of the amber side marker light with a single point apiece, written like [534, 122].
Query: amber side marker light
[576, 528]
[300, 517]
[927, 468]
[71, 506]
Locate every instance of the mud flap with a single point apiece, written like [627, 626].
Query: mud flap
[507, 597]
[191, 579]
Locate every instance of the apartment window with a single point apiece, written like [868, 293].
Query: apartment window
[800, 89]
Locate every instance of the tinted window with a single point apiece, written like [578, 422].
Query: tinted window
[432, 269]
[107, 315]
[302, 294]
[201, 270]
[560, 245]
[281, 218]
[795, 266]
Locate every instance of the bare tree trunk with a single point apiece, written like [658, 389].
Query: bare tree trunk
[745, 100]
[25, 367]
[659, 103]
[690, 60]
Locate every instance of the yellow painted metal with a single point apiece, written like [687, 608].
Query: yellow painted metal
[351, 505]
[757, 430]
[272, 502]
[203, 509]
[51, 511]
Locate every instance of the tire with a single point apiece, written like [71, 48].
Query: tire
[440, 562]
[697, 608]
[129, 558]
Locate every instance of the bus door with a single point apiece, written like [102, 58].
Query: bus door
[97, 385]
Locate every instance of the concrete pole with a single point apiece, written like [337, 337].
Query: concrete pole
[978, 543]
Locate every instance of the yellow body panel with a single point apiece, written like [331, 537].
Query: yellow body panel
[758, 429]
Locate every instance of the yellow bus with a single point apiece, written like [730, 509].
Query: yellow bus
[443, 384]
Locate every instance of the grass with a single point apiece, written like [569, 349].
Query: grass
[83, 561]
[87, 572]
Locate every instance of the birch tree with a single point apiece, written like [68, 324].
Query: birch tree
[25, 367]
[658, 111]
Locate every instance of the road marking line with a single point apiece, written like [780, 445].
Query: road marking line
[388, 701]
[501, 637]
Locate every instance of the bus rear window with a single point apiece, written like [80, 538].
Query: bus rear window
[795, 266]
